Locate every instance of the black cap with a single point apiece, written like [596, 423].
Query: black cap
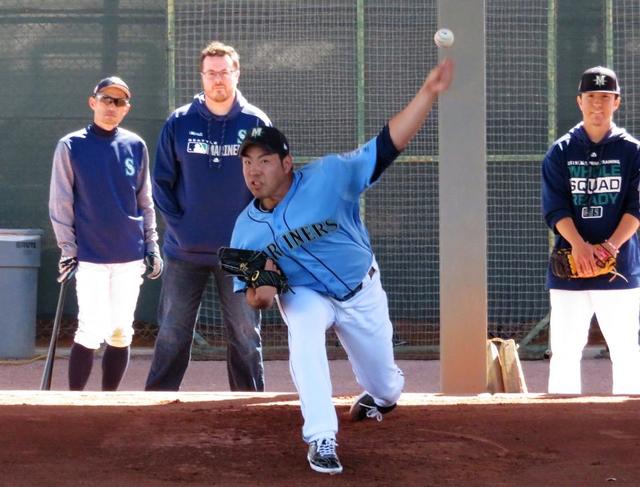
[112, 81]
[599, 79]
[269, 138]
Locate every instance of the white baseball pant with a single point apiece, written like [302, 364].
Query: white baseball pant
[617, 313]
[107, 298]
[363, 327]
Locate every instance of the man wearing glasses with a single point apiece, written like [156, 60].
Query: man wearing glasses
[103, 218]
[199, 189]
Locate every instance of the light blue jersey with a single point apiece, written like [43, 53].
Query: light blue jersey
[315, 233]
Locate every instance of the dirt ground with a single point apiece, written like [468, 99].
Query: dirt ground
[198, 439]
[205, 435]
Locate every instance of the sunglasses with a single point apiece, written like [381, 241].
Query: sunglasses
[108, 100]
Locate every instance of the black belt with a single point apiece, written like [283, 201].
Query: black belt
[356, 289]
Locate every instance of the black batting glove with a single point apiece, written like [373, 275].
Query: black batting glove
[154, 265]
[67, 267]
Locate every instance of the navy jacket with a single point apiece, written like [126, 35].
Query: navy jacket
[100, 197]
[198, 185]
[595, 185]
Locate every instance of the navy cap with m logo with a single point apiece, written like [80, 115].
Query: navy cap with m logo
[599, 78]
[269, 138]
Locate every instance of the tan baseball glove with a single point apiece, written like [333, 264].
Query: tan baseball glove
[563, 265]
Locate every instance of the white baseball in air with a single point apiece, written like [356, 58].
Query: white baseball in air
[443, 38]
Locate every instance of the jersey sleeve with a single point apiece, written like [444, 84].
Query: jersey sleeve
[632, 198]
[165, 175]
[556, 195]
[145, 204]
[61, 201]
[386, 153]
[350, 173]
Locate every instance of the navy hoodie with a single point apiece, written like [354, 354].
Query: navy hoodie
[198, 185]
[595, 184]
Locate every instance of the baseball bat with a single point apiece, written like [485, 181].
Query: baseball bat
[45, 384]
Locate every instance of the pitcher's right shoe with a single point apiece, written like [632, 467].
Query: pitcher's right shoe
[322, 456]
[365, 407]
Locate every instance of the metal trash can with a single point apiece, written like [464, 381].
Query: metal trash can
[19, 263]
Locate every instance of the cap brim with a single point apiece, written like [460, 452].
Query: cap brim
[601, 91]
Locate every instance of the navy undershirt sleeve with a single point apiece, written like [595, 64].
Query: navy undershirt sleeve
[386, 153]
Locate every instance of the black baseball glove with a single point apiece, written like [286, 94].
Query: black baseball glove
[249, 267]
[154, 265]
[67, 267]
[562, 264]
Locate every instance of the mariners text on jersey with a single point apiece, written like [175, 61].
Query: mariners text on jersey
[300, 236]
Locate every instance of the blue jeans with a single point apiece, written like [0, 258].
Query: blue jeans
[183, 284]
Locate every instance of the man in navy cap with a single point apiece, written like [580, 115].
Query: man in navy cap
[590, 196]
[104, 221]
[307, 221]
